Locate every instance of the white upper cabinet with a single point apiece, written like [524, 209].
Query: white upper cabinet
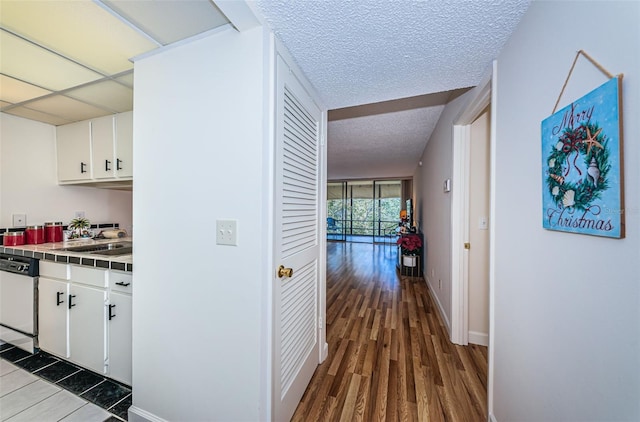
[74, 151]
[124, 145]
[102, 143]
[96, 151]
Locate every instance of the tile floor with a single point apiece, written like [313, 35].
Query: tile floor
[42, 387]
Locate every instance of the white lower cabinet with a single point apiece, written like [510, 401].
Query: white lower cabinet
[88, 327]
[120, 337]
[53, 316]
[84, 315]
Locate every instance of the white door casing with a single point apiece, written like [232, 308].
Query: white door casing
[487, 94]
[298, 209]
[460, 212]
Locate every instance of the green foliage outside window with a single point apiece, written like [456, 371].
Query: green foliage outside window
[365, 216]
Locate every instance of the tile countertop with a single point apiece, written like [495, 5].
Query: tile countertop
[47, 252]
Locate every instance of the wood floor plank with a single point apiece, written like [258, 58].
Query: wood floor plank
[336, 360]
[422, 392]
[392, 392]
[362, 400]
[349, 406]
[390, 358]
[314, 411]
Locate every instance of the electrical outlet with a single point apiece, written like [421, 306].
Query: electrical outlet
[439, 284]
[227, 232]
[19, 220]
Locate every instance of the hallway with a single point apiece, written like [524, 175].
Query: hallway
[389, 354]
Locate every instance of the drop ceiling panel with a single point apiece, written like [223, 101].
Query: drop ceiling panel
[67, 108]
[126, 79]
[38, 116]
[15, 91]
[83, 32]
[111, 95]
[22, 59]
[170, 20]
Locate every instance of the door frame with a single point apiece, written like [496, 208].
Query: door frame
[460, 209]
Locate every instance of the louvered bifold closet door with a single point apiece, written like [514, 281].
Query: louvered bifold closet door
[300, 168]
[299, 221]
[297, 243]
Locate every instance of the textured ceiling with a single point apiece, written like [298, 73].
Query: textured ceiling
[371, 51]
[63, 61]
[382, 140]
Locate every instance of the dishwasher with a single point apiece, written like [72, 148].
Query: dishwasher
[19, 301]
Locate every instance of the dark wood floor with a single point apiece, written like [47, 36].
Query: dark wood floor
[389, 355]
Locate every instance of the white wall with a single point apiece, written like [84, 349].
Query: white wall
[479, 238]
[567, 306]
[433, 205]
[198, 307]
[28, 181]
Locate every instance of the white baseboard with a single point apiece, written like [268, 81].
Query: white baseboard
[479, 338]
[325, 352]
[492, 418]
[447, 324]
[139, 415]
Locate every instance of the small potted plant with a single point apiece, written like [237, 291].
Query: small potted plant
[410, 246]
[80, 228]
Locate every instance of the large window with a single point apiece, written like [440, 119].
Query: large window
[363, 211]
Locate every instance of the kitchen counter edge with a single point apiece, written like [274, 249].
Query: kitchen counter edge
[48, 252]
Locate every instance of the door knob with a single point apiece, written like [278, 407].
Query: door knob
[284, 272]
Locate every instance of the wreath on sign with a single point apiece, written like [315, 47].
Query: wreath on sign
[586, 141]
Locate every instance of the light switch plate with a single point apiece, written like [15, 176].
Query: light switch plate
[227, 232]
[482, 223]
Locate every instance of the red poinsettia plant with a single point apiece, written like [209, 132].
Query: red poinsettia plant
[410, 244]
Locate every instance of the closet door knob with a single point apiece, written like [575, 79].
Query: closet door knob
[284, 272]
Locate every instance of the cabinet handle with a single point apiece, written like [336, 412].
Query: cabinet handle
[118, 161]
[111, 316]
[120, 283]
[106, 165]
[71, 305]
[58, 301]
[82, 166]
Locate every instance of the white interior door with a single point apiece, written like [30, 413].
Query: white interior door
[297, 242]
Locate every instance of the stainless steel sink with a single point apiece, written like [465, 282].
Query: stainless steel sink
[110, 249]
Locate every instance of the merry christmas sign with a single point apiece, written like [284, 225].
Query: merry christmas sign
[581, 162]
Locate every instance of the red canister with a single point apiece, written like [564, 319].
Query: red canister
[35, 235]
[13, 239]
[53, 232]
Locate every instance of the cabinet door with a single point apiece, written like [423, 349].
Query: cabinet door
[74, 151]
[103, 147]
[87, 327]
[53, 316]
[124, 144]
[120, 337]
